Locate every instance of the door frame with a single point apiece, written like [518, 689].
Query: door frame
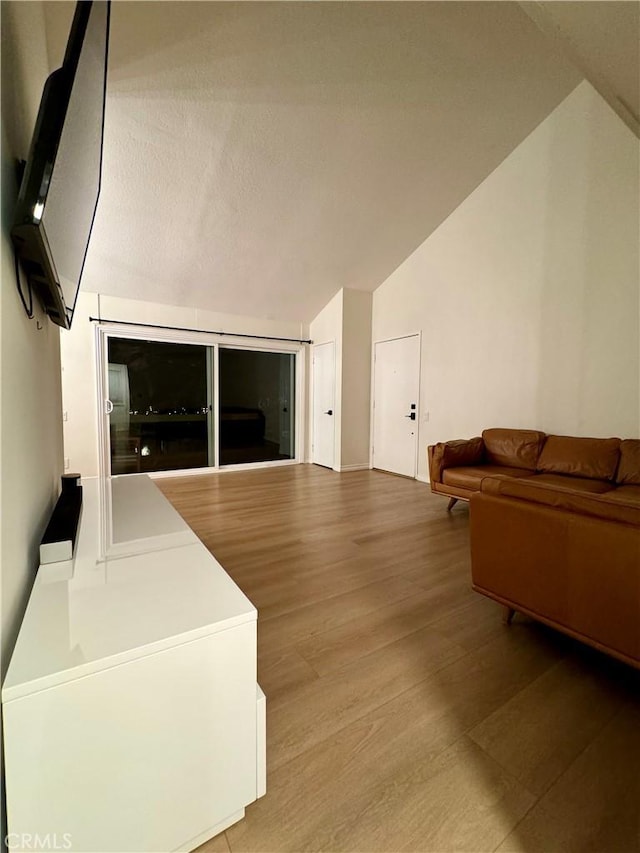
[417, 334]
[113, 330]
[313, 408]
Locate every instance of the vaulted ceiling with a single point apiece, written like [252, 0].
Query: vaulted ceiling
[260, 156]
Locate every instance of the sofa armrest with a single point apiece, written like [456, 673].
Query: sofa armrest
[453, 454]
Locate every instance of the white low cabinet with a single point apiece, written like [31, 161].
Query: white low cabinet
[132, 716]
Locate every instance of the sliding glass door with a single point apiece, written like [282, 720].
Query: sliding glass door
[178, 406]
[161, 397]
[256, 406]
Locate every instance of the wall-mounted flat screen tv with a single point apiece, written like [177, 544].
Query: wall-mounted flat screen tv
[61, 182]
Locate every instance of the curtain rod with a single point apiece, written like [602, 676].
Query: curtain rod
[202, 331]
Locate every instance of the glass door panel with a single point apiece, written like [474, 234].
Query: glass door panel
[161, 395]
[256, 406]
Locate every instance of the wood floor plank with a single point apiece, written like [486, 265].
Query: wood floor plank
[330, 614]
[334, 577]
[219, 844]
[280, 671]
[595, 805]
[333, 782]
[541, 730]
[308, 715]
[401, 713]
[472, 624]
[460, 800]
[365, 633]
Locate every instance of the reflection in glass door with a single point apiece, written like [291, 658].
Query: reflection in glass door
[256, 406]
[161, 396]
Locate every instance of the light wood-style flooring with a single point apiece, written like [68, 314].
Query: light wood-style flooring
[401, 713]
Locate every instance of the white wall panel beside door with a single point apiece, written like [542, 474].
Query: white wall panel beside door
[324, 390]
[396, 386]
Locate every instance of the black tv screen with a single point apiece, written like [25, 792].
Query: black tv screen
[61, 183]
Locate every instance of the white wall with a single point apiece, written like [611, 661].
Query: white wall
[528, 294]
[30, 402]
[78, 346]
[356, 379]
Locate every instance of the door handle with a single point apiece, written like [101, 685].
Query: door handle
[412, 416]
[108, 407]
[330, 412]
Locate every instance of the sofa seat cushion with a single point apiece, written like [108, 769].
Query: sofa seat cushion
[513, 448]
[575, 501]
[593, 458]
[573, 484]
[471, 477]
[625, 495]
[629, 468]
[452, 491]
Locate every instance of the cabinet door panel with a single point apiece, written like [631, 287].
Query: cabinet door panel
[143, 756]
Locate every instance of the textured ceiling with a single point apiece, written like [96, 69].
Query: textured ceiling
[602, 38]
[260, 156]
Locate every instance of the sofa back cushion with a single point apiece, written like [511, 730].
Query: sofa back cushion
[464, 452]
[624, 508]
[596, 458]
[515, 448]
[629, 468]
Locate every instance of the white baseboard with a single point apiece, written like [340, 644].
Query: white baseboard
[363, 467]
[422, 479]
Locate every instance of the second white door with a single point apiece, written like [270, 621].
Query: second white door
[396, 387]
[324, 373]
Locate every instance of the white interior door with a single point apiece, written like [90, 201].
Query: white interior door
[119, 395]
[395, 405]
[324, 375]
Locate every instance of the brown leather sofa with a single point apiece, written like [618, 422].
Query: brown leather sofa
[558, 539]
[457, 468]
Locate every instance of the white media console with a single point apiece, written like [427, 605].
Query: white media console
[132, 716]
